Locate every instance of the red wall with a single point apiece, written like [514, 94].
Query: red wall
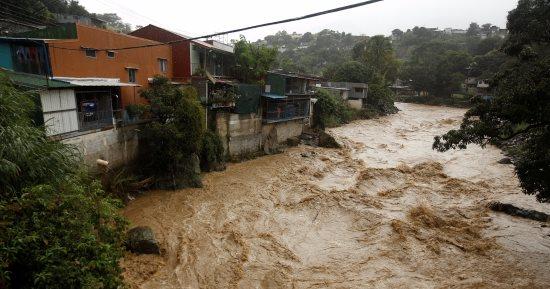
[181, 54]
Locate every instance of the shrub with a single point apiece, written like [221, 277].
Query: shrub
[171, 144]
[212, 152]
[331, 110]
[57, 229]
[380, 98]
[61, 237]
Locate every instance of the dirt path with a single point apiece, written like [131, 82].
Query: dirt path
[384, 212]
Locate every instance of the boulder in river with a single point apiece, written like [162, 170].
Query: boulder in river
[505, 161]
[141, 240]
[327, 141]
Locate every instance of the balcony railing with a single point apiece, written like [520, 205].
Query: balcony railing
[277, 111]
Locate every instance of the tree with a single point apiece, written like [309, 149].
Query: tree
[352, 71]
[171, 144]
[520, 108]
[114, 22]
[474, 29]
[397, 33]
[437, 68]
[58, 229]
[377, 53]
[253, 61]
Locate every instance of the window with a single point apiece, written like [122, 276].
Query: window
[163, 64]
[132, 75]
[359, 90]
[90, 52]
[111, 54]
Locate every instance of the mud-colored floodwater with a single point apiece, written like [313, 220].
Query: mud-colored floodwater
[383, 212]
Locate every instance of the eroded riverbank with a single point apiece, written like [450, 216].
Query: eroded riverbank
[384, 212]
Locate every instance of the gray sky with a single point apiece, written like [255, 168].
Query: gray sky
[202, 17]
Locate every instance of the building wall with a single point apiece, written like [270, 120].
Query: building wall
[117, 146]
[355, 103]
[241, 134]
[284, 130]
[73, 62]
[59, 109]
[180, 51]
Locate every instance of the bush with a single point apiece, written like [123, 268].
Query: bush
[331, 110]
[212, 152]
[380, 98]
[57, 228]
[170, 145]
[61, 237]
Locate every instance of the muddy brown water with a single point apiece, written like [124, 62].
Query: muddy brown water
[386, 211]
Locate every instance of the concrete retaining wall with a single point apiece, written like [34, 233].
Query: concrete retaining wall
[241, 134]
[117, 146]
[355, 103]
[285, 130]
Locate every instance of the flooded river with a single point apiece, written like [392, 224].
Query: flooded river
[383, 212]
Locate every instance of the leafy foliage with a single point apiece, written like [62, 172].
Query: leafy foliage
[212, 151]
[437, 68]
[330, 110]
[252, 61]
[521, 106]
[57, 228]
[170, 141]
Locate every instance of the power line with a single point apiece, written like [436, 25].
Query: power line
[330, 11]
[25, 12]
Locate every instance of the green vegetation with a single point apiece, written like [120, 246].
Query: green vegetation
[41, 12]
[58, 229]
[212, 152]
[374, 63]
[331, 110]
[171, 143]
[520, 109]
[252, 61]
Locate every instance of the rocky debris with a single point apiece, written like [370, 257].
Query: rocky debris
[293, 141]
[308, 154]
[141, 240]
[505, 161]
[271, 145]
[519, 212]
[327, 141]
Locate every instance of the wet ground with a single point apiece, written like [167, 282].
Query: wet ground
[383, 212]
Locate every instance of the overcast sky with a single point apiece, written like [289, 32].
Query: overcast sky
[202, 17]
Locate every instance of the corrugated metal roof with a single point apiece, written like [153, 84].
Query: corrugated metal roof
[93, 81]
[35, 81]
[273, 96]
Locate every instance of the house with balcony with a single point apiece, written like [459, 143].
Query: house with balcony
[84, 82]
[287, 96]
[83, 86]
[208, 65]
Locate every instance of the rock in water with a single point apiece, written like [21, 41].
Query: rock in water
[505, 161]
[142, 240]
[327, 141]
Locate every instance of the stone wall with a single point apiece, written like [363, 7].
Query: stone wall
[117, 146]
[241, 134]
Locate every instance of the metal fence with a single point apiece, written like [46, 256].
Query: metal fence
[95, 120]
[282, 110]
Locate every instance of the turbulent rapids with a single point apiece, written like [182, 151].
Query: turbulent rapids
[383, 212]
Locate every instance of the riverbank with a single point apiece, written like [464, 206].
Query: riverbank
[385, 211]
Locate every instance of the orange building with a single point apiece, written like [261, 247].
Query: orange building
[85, 57]
[84, 78]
